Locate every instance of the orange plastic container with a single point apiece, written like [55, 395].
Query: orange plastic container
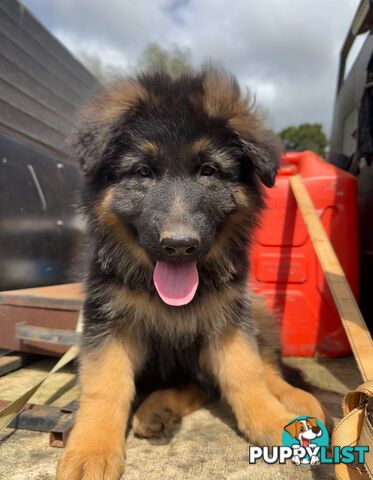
[284, 266]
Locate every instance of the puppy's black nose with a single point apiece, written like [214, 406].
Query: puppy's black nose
[315, 429]
[179, 246]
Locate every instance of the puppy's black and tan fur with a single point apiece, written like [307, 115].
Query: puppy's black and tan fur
[168, 161]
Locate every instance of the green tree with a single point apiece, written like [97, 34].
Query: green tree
[307, 136]
[174, 61]
[103, 72]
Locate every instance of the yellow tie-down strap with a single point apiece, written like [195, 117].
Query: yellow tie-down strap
[356, 428]
[10, 411]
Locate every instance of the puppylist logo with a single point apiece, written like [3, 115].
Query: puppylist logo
[305, 441]
[305, 436]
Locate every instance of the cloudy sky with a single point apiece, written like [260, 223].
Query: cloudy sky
[284, 50]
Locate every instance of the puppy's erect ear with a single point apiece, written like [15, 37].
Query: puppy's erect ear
[91, 142]
[223, 99]
[293, 428]
[265, 155]
[261, 146]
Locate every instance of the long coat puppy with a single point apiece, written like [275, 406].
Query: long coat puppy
[173, 171]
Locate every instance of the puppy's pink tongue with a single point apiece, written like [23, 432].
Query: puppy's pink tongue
[176, 282]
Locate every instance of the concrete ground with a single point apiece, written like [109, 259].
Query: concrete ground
[207, 445]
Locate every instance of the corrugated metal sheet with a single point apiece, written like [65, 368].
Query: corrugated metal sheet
[41, 83]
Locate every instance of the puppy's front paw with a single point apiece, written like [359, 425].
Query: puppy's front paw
[304, 403]
[264, 431]
[81, 464]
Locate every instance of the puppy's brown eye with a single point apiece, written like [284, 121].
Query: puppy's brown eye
[207, 170]
[145, 171]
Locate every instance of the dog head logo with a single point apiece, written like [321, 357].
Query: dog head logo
[304, 430]
[305, 435]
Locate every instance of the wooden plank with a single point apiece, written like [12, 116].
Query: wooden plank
[65, 297]
[55, 307]
[10, 315]
[10, 363]
[353, 322]
[55, 336]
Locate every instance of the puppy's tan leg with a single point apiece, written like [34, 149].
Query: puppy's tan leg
[163, 408]
[235, 362]
[294, 399]
[95, 449]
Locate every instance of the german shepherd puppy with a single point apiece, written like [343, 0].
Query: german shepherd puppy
[172, 191]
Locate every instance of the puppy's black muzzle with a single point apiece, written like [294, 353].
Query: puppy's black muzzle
[179, 247]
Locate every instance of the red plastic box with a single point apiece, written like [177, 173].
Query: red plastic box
[284, 266]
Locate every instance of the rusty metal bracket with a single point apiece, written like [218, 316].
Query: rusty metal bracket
[46, 418]
[53, 336]
[59, 434]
